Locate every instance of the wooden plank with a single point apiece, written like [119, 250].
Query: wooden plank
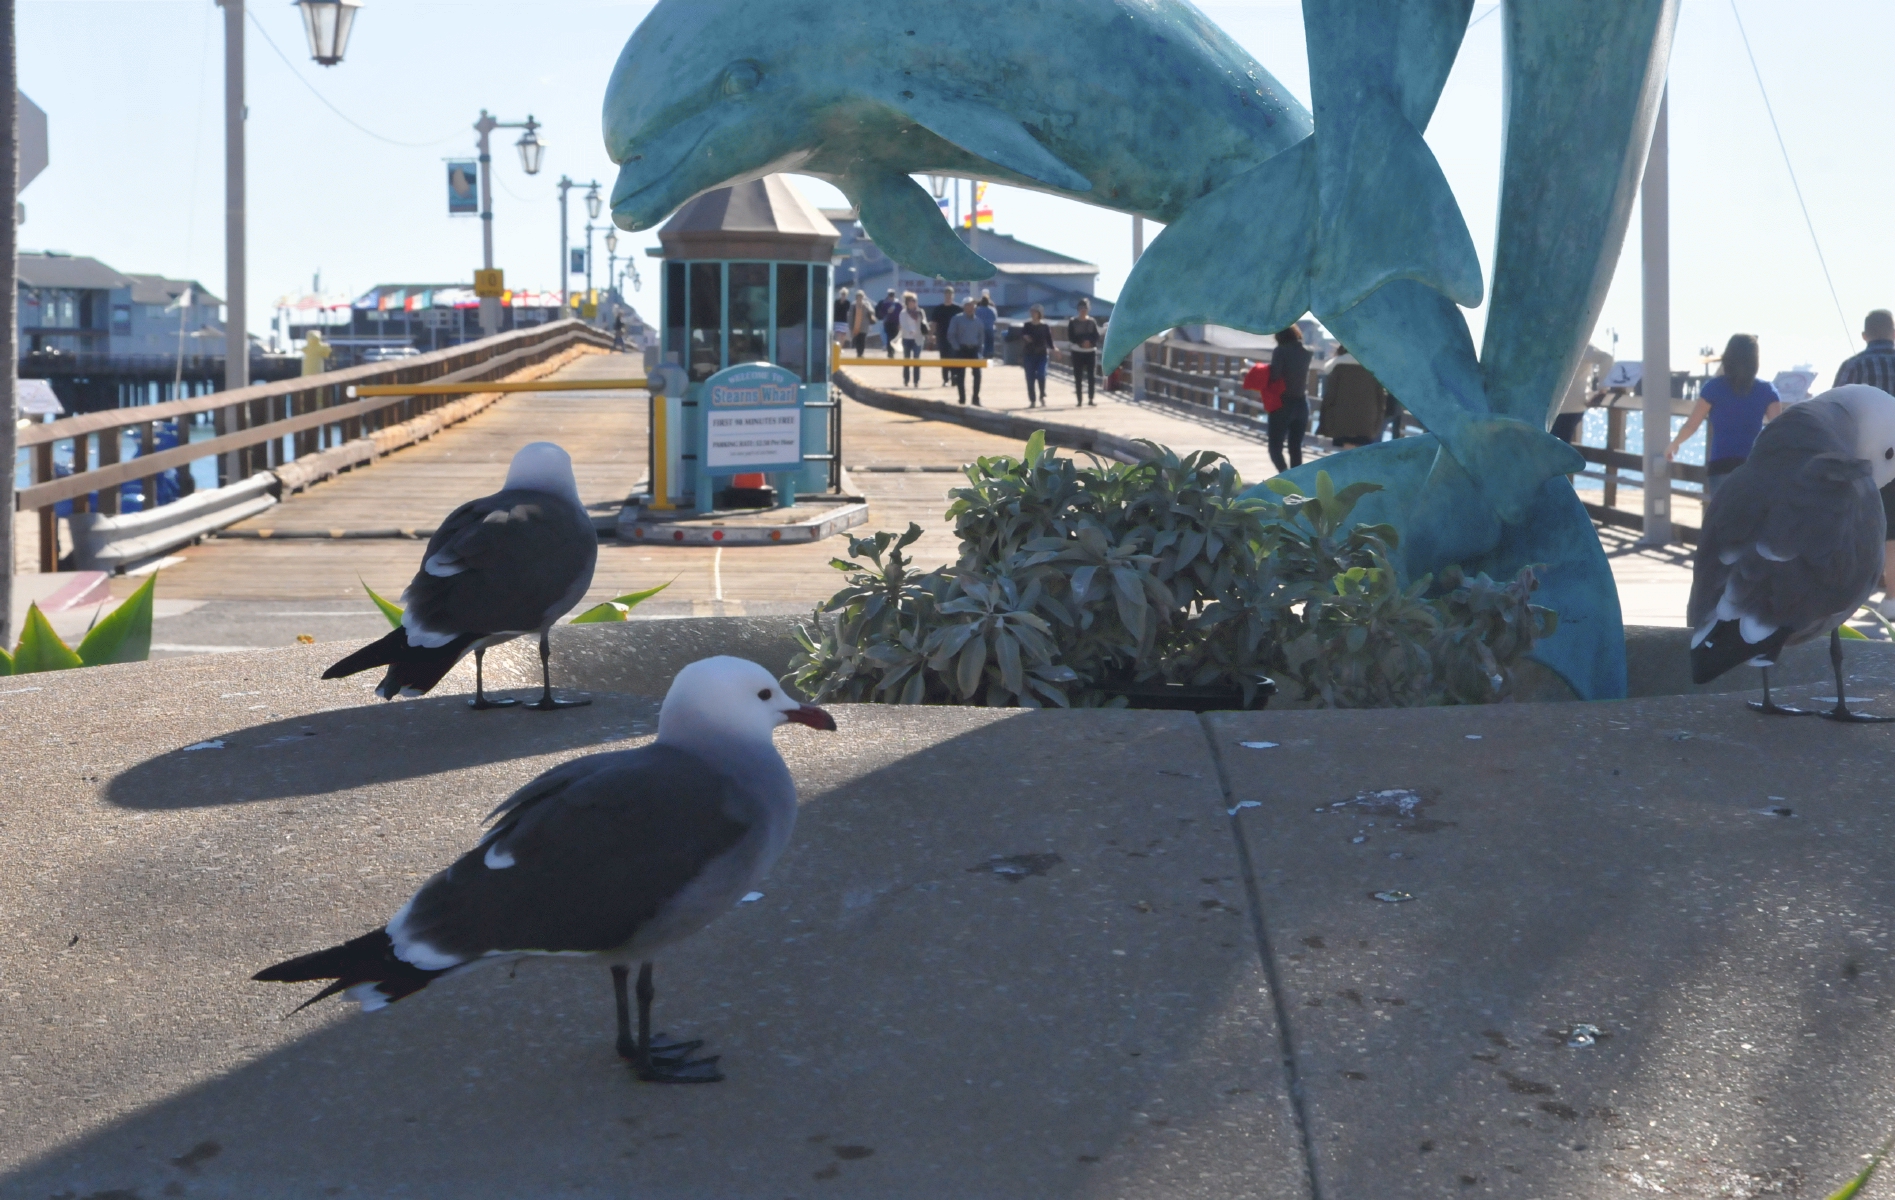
[536, 385]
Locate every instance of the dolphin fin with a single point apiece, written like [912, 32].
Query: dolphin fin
[906, 224]
[993, 135]
[1588, 648]
[1387, 213]
[1510, 460]
[1185, 276]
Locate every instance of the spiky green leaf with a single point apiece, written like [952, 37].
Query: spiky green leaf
[41, 649]
[391, 611]
[125, 634]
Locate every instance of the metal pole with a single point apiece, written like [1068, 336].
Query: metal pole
[588, 258]
[9, 306]
[1138, 352]
[236, 325]
[1655, 229]
[489, 305]
[565, 257]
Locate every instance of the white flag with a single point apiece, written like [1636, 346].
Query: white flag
[183, 301]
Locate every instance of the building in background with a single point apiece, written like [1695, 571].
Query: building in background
[1025, 274]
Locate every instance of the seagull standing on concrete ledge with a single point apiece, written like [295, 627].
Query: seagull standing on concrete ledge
[611, 856]
[499, 567]
[1792, 545]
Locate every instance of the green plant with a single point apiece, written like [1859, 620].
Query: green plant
[124, 635]
[1086, 585]
[619, 608]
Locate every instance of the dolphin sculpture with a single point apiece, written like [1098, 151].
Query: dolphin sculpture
[1144, 106]
[1483, 489]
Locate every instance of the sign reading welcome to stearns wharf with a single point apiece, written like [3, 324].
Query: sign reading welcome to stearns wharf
[754, 420]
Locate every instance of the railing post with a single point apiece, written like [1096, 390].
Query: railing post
[109, 440]
[147, 442]
[1614, 441]
[48, 519]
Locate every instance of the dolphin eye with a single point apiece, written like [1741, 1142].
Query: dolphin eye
[742, 77]
[765, 694]
[1889, 453]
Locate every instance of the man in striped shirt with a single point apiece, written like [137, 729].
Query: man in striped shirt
[1876, 367]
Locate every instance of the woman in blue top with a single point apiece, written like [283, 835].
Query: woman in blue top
[1738, 404]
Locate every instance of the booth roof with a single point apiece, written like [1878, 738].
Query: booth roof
[763, 218]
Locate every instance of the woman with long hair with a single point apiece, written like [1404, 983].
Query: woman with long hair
[1738, 404]
[1289, 422]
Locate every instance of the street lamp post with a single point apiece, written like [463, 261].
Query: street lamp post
[593, 205]
[531, 149]
[565, 254]
[611, 259]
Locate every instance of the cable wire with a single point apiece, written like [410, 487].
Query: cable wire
[1847, 333]
[252, 14]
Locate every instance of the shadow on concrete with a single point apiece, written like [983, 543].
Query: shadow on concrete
[1612, 865]
[350, 748]
[1005, 956]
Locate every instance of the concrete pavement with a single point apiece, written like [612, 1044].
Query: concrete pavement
[1008, 955]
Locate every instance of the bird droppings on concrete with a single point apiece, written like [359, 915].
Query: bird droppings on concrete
[1392, 897]
[1017, 867]
[213, 744]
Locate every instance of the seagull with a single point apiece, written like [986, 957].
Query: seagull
[1792, 545]
[498, 568]
[611, 856]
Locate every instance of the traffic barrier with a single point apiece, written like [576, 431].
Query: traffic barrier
[102, 543]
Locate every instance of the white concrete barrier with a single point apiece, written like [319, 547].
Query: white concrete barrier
[102, 543]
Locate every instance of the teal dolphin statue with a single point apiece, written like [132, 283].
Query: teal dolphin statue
[1483, 489]
[1144, 106]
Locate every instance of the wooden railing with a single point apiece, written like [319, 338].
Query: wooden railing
[250, 424]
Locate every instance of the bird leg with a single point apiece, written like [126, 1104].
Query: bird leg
[1772, 709]
[657, 1058]
[1841, 712]
[480, 700]
[546, 703]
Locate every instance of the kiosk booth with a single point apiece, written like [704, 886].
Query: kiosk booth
[746, 331]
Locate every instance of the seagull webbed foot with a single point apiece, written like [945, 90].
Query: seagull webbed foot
[671, 1062]
[548, 703]
[1849, 716]
[1770, 708]
[483, 703]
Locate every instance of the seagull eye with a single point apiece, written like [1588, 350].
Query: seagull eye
[1889, 453]
[765, 694]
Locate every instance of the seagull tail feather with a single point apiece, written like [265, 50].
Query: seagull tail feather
[1724, 647]
[367, 960]
[412, 670]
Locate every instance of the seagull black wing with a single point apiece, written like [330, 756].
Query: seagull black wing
[1791, 545]
[503, 563]
[582, 858]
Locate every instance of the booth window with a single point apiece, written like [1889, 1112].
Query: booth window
[707, 321]
[819, 281]
[674, 310]
[792, 318]
[749, 313]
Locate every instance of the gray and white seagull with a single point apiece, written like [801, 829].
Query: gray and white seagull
[1792, 544]
[498, 568]
[612, 856]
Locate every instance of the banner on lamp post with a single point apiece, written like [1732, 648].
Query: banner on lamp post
[463, 188]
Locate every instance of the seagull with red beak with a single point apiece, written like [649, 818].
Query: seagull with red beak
[611, 856]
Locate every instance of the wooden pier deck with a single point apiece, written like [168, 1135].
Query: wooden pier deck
[605, 433]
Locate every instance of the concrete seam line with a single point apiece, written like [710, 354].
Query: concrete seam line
[1292, 1075]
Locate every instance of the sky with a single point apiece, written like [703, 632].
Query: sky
[346, 173]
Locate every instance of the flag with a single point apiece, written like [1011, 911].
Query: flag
[982, 216]
[183, 301]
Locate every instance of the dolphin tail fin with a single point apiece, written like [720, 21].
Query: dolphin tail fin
[1185, 276]
[1388, 214]
[1510, 460]
[1556, 535]
[906, 224]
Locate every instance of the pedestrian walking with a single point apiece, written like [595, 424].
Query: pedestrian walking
[1355, 405]
[861, 318]
[939, 318]
[984, 309]
[1875, 366]
[1737, 403]
[618, 330]
[1082, 334]
[843, 309]
[963, 335]
[1593, 365]
[888, 312]
[914, 332]
[1289, 363]
[1036, 348]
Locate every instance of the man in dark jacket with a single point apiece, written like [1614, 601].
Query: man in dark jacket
[1082, 332]
[1289, 362]
[939, 318]
[888, 312]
